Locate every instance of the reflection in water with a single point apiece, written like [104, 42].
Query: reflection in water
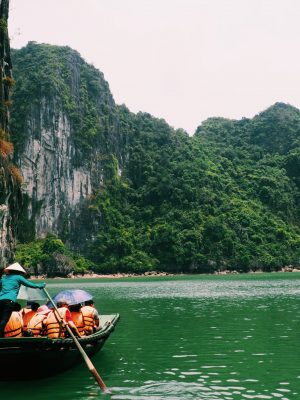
[213, 338]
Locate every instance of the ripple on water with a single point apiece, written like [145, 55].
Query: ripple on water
[231, 333]
[161, 390]
[197, 288]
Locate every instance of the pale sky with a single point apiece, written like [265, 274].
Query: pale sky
[181, 60]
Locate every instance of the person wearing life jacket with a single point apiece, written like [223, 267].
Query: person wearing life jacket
[14, 326]
[28, 314]
[9, 288]
[77, 318]
[90, 317]
[26, 309]
[55, 324]
[36, 326]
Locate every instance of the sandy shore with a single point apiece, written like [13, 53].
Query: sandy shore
[92, 275]
[119, 275]
[110, 276]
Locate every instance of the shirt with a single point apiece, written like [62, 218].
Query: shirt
[68, 316]
[10, 285]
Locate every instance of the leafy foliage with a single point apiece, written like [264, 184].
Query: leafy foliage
[54, 79]
[50, 257]
[226, 198]
[223, 199]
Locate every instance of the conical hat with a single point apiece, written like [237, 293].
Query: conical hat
[16, 267]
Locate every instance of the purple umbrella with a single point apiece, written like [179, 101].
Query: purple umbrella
[72, 297]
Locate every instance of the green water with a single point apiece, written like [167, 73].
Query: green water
[200, 337]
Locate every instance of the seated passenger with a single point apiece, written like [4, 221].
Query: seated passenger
[28, 313]
[36, 326]
[90, 317]
[55, 328]
[26, 309]
[77, 318]
[14, 326]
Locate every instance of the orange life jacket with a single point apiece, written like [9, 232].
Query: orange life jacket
[27, 317]
[88, 319]
[36, 324]
[54, 328]
[77, 317]
[14, 325]
[24, 311]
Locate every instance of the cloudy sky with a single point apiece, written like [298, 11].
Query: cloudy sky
[181, 60]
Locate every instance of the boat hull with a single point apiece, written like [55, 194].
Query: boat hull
[33, 358]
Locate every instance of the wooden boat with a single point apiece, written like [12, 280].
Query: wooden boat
[37, 357]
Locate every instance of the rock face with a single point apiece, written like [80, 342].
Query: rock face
[10, 204]
[50, 180]
[10, 196]
[65, 128]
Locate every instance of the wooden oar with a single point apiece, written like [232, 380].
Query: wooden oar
[81, 350]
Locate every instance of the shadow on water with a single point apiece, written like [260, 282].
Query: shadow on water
[73, 384]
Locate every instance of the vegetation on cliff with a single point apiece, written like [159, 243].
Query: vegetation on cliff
[226, 198]
[56, 80]
[49, 256]
[10, 176]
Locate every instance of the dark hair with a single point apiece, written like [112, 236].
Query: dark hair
[17, 307]
[75, 307]
[13, 272]
[61, 303]
[34, 306]
[89, 302]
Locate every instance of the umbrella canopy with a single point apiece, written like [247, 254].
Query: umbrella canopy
[72, 297]
[31, 294]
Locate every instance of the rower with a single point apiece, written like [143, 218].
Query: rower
[9, 288]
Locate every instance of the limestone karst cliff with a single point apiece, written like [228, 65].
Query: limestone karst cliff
[64, 127]
[10, 195]
[10, 204]
[130, 193]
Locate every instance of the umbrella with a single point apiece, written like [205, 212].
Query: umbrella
[72, 297]
[31, 294]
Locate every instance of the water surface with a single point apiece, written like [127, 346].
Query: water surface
[189, 337]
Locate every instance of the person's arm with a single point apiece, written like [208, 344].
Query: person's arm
[74, 328]
[96, 318]
[27, 283]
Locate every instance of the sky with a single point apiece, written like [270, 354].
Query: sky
[180, 60]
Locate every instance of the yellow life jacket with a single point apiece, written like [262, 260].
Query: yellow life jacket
[88, 319]
[77, 317]
[36, 324]
[14, 325]
[54, 328]
[27, 317]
